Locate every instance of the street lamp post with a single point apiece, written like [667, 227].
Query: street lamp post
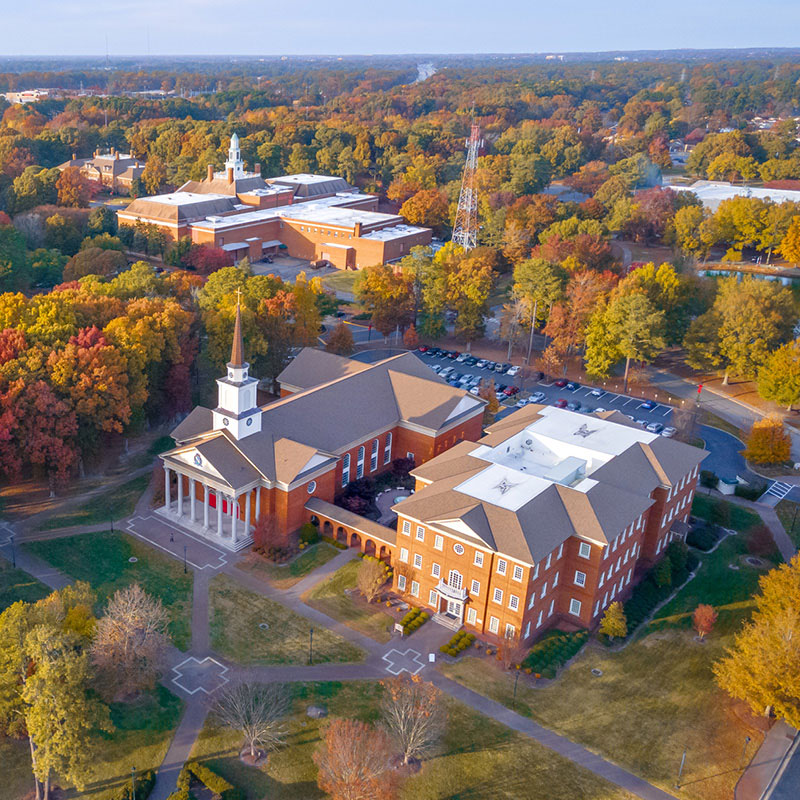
[13, 551]
[744, 752]
[514, 700]
[680, 771]
[133, 783]
[310, 645]
[184, 560]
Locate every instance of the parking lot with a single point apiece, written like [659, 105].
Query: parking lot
[634, 407]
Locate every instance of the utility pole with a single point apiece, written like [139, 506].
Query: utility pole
[465, 229]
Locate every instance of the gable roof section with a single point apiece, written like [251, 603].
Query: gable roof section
[312, 367]
[428, 403]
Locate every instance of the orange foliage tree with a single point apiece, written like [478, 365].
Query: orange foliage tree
[703, 619]
[768, 442]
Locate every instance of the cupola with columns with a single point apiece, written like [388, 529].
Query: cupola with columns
[234, 161]
[237, 408]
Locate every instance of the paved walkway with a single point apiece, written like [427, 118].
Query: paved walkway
[771, 520]
[766, 762]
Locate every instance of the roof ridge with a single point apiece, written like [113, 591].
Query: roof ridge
[655, 463]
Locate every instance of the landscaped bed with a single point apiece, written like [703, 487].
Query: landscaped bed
[252, 629]
[287, 575]
[479, 758]
[103, 559]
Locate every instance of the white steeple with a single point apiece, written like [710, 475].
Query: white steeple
[237, 408]
[234, 161]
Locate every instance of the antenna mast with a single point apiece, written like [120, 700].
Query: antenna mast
[465, 230]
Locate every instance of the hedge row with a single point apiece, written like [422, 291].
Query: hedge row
[334, 542]
[215, 783]
[144, 785]
[414, 619]
[387, 570]
[553, 650]
[458, 643]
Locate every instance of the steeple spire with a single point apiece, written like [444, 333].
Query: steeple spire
[237, 350]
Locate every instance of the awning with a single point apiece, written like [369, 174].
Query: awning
[235, 246]
[273, 243]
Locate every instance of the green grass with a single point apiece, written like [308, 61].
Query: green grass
[235, 618]
[478, 758]
[341, 281]
[709, 418]
[142, 732]
[116, 503]
[786, 511]
[15, 584]
[656, 697]
[739, 518]
[284, 577]
[102, 559]
[329, 597]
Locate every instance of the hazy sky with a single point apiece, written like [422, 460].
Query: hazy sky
[380, 26]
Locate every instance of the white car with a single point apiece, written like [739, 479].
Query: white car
[482, 364]
[536, 397]
[462, 358]
[437, 368]
[597, 392]
[474, 390]
[655, 427]
[444, 373]
[599, 410]
[513, 371]
[669, 432]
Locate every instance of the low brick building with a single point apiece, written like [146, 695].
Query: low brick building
[115, 171]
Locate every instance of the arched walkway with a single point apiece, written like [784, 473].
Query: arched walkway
[355, 540]
[327, 529]
[369, 547]
[341, 535]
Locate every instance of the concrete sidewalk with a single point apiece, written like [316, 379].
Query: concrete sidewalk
[766, 762]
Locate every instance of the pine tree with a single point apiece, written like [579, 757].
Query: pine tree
[614, 624]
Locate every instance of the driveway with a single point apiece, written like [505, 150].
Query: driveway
[725, 458]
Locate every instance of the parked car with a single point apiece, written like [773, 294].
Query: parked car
[655, 427]
[423, 348]
[470, 361]
[561, 383]
[502, 368]
[560, 403]
[461, 358]
[445, 372]
[523, 401]
[597, 392]
[320, 263]
[513, 371]
[574, 406]
[437, 368]
[511, 390]
[669, 432]
[648, 405]
[454, 354]
[599, 410]
[630, 417]
[490, 365]
[642, 422]
[573, 387]
[475, 390]
[536, 397]
[481, 364]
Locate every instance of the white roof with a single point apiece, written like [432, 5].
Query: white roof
[184, 198]
[304, 178]
[712, 193]
[393, 232]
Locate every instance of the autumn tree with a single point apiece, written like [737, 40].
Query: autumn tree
[511, 651]
[414, 715]
[487, 392]
[410, 338]
[94, 261]
[131, 641]
[256, 711]
[789, 247]
[779, 377]
[74, 189]
[340, 341]
[768, 442]
[703, 619]
[540, 284]
[370, 578]
[762, 667]
[354, 762]
[614, 624]
[387, 295]
[427, 207]
[154, 175]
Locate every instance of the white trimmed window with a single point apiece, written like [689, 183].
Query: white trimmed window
[436, 570]
[552, 606]
[472, 616]
[478, 559]
[539, 620]
[475, 588]
[596, 608]
[531, 601]
[401, 582]
[498, 596]
[585, 550]
[544, 589]
[555, 580]
[345, 469]
[454, 579]
[501, 566]
[406, 527]
[420, 535]
[535, 573]
[494, 624]
[518, 572]
[373, 456]
[433, 598]
[387, 449]
[575, 607]
[580, 578]
[415, 588]
[410, 456]
[438, 542]
[513, 602]
[602, 580]
[527, 630]
[510, 631]
[549, 559]
[404, 554]
[417, 561]
[360, 463]
[560, 551]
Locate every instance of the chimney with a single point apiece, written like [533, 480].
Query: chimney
[74, 156]
[210, 172]
[113, 151]
[116, 156]
[257, 169]
[230, 174]
[357, 230]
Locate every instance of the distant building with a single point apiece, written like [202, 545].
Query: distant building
[712, 193]
[114, 170]
[310, 216]
[28, 96]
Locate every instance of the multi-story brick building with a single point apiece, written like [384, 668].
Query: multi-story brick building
[545, 520]
[240, 461]
[113, 170]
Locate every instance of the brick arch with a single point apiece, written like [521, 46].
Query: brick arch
[355, 540]
[369, 547]
[341, 535]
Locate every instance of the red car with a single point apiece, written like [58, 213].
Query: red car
[453, 354]
[509, 391]
[560, 403]
[423, 348]
[561, 383]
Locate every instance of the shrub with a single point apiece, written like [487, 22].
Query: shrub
[553, 650]
[750, 492]
[335, 542]
[309, 533]
[768, 442]
[703, 538]
[678, 555]
[210, 779]
[662, 573]
[144, 786]
[708, 478]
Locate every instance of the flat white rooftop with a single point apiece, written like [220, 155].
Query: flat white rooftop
[394, 232]
[712, 193]
[304, 178]
[184, 198]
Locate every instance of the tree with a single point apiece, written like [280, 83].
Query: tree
[614, 624]
[131, 641]
[427, 207]
[662, 574]
[414, 715]
[61, 233]
[14, 269]
[511, 652]
[686, 230]
[703, 619]
[789, 247]
[410, 339]
[94, 261]
[340, 341]
[762, 667]
[355, 762]
[768, 442]
[74, 189]
[487, 392]
[154, 175]
[371, 576]
[779, 378]
[388, 296]
[257, 711]
[540, 284]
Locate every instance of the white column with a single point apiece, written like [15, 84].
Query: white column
[205, 505]
[233, 518]
[219, 512]
[167, 488]
[180, 494]
[192, 498]
[247, 498]
[258, 502]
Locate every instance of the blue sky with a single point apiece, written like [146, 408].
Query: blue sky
[370, 26]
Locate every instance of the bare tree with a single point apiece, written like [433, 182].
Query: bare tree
[355, 762]
[414, 714]
[257, 711]
[131, 640]
[371, 576]
[511, 652]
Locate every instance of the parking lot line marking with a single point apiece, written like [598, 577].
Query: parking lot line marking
[669, 409]
[616, 397]
[631, 400]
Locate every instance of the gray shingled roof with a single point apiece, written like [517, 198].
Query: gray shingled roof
[312, 367]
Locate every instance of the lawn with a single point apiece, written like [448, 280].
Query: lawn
[15, 584]
[341, 281]
[479, 758]
[237, 614]
[286, 576]
[143, 730]
[655, 697]
[787, 511]
[114, 504]
[740, 518]
[329, 597]
[103, 560]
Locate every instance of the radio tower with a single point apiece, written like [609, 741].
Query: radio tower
[465, 230]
